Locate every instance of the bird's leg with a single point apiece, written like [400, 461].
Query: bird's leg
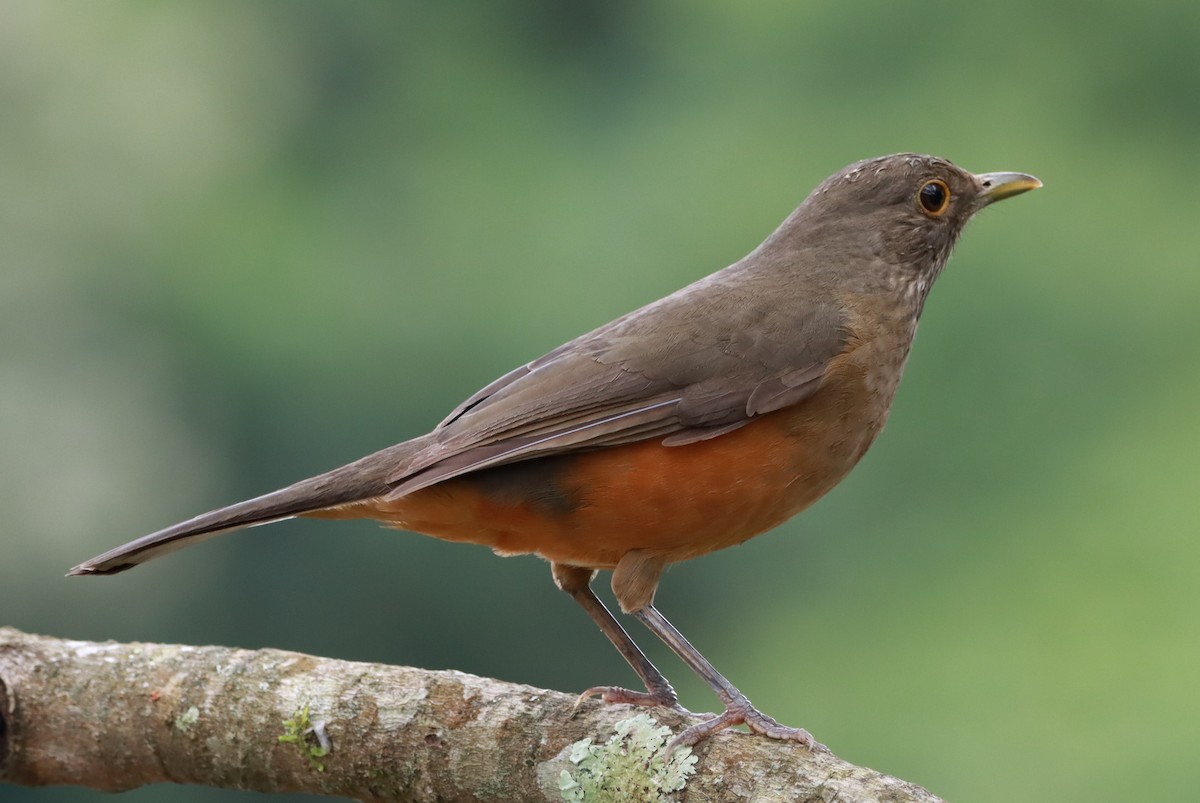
[738, 710]
[635, 579]
[577, 582]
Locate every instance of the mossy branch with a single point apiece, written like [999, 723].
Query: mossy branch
[117, 716]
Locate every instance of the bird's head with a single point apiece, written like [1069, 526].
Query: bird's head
[906, 209]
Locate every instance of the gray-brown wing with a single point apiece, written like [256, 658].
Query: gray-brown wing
[692, 366]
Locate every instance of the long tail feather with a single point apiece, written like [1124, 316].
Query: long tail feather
[362, 479]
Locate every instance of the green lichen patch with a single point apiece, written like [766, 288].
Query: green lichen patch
[308, 736]
[631, 767]
[187, 719]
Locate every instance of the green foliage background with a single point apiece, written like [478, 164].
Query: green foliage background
[241, 243]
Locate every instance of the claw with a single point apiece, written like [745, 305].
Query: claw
[646, 699]
[741, 712]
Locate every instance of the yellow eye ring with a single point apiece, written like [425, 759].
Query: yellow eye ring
[934, 197]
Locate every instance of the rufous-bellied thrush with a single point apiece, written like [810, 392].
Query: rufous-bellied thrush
[689, 425]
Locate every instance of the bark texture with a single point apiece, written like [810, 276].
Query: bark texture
[116, 716]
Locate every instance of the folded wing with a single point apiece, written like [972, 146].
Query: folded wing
[695, 365]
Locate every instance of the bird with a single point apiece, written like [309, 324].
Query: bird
[684, 427]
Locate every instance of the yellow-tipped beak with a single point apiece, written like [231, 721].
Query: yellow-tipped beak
[998, 186]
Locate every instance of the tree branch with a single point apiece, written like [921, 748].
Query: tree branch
[116, 716]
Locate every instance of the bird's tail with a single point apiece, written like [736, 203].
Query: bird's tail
[362, 479]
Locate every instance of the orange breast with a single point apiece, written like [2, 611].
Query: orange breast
[589, 509]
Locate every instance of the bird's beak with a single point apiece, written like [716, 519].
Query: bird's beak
[998, 186]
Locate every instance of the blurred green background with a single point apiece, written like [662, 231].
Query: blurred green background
[242, 243]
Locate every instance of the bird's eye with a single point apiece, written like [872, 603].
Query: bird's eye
[934, 197]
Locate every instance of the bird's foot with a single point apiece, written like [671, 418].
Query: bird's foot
[741, 712]
[646, 699]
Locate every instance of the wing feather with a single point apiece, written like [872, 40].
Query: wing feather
[695, 365]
